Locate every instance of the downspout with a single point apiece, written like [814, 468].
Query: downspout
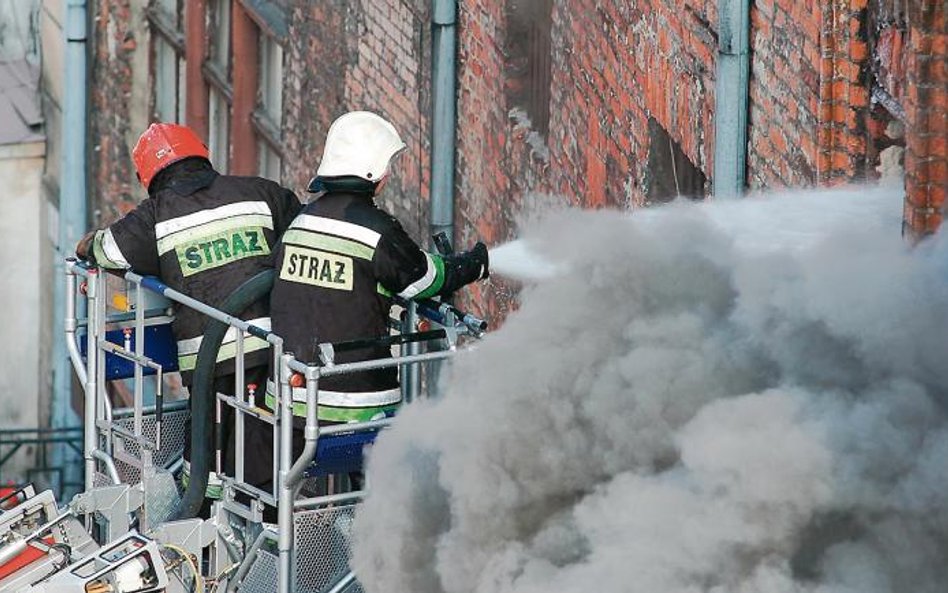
[731, 102]
[444, 44]
[444, 117]
[73, 209]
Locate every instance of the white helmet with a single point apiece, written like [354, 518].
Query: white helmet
[359, 144]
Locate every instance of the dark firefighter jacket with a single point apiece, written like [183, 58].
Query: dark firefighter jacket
[203, 234]
[337, 266]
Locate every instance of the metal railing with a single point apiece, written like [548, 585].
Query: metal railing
[100, 421]
[41, 471]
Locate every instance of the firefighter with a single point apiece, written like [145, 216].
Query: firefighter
[341, 261]
[203, 234]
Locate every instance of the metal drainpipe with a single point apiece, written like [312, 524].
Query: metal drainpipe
[731, 98]
[444, 118]
[443, 138]
[72, 204]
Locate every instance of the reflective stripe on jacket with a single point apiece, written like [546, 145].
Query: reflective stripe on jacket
[341, 406]
[337, 266]
[204, 243]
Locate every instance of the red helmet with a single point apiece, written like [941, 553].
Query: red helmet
[162, 144]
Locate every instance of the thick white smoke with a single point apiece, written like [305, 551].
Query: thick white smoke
[739, 397]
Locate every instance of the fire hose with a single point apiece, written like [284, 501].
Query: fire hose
[202, 390]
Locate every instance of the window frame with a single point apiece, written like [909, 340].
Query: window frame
[215, 70]
[268, 130]
[528, 64]
[167, 29]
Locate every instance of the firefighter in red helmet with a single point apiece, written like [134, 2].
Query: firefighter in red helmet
[203, 234]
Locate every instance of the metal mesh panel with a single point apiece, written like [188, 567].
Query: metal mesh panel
[128, 473]
[262, 577]
[161, 497]
[323, 548]
[100, 479]
[173, 426]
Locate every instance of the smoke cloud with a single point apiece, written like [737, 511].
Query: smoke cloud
[742, 397]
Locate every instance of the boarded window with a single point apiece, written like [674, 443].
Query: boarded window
[670, 174]
[268, 117]
[528, 57]
[217, 74]
[167, 26]
[886, 31]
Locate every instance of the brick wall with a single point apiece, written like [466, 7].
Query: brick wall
[784, 91]
[614, 66]
[114, 190]
[313, 94]
[617, 64]
[926, 107]
[843, 92]
[371, 55]
[389, 73]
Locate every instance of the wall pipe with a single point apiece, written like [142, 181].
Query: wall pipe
[443, 139]
[73, 210]
[731, 101]
[444, 115]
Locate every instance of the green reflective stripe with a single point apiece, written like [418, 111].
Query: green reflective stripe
[227, 351]
[383, 291]
[98, 252]
[213, 229]
[334, 414]
[438, 281]
[336, 244]
[213, 491]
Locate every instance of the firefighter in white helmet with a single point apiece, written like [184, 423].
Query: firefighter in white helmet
[341, 261]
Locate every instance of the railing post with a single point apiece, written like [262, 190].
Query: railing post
[412, 374]
[285, 507]
[90, 408]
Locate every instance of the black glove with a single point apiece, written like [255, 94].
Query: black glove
[84, 247]
[463, 268]
[479, 254]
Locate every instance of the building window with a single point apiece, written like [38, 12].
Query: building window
[217, 74]
[887, 27]
[670, 174]
[166, 19]
[268, 117]
[528, 59]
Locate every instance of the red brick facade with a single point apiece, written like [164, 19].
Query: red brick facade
[112, 175]
[602, 92]
[315, 87]
[926, 106]
[843, 93]
[785, 93]
[614, 64]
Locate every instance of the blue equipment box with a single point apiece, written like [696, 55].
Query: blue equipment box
[340, 453]
[160, 346]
